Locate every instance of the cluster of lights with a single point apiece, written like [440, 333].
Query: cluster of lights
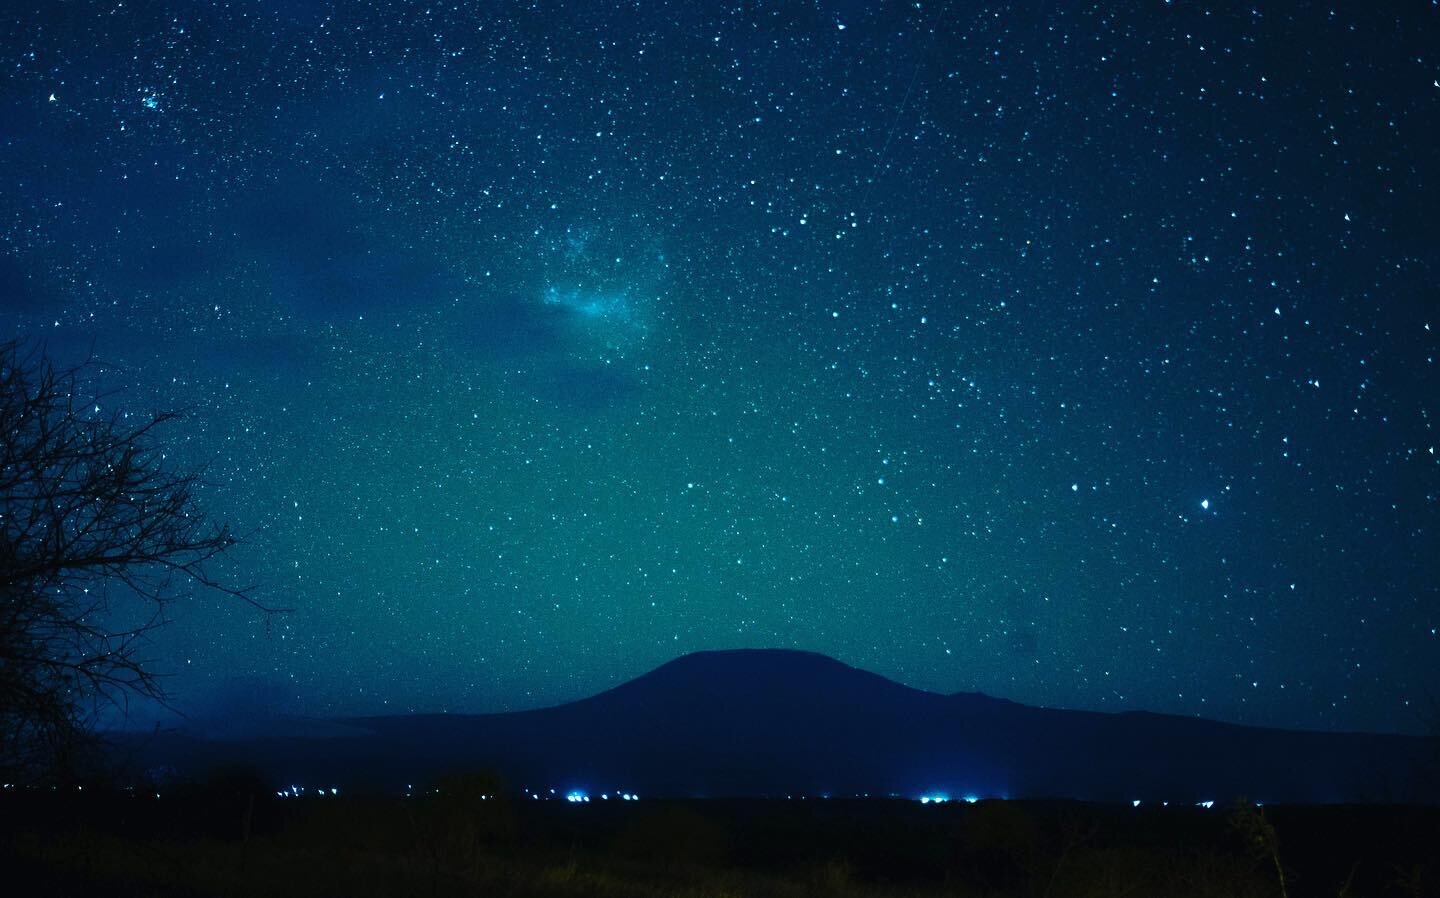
[575, 797]
[297, 791]
[578, 796]
[941, 798]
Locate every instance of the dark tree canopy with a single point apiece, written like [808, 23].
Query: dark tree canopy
[97, 536]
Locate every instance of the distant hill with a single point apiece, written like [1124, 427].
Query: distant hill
[772, 722]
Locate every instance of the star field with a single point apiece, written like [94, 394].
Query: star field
[1080, 356]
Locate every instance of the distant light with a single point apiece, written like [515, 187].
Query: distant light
[1205, 504]
[971, 799]
[1207, 805]
[1135, 803]
[938, 798]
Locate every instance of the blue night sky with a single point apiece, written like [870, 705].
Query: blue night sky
[1080, 355]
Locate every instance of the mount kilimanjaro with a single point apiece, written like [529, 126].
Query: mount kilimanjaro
[787, 723]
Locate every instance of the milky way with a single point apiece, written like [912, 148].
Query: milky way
[1077, 356]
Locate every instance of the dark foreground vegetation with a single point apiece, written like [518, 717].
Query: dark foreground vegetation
[229, 838]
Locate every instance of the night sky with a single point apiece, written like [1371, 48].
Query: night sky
[1082, 356]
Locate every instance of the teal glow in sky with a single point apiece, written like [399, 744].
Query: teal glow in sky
[1079, 357]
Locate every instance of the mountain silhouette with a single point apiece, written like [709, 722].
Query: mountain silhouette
[778, 723]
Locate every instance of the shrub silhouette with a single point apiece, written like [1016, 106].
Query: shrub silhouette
[1248, 820]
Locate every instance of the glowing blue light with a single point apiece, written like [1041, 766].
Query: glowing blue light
[936, 798]
[1135, 803]
[576, 796]
[1207, 805]
[971, 799]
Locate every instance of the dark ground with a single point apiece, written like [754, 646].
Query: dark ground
[213, 840]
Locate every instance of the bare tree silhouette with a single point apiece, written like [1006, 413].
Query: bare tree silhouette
[97, 537]
[1248, 819]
